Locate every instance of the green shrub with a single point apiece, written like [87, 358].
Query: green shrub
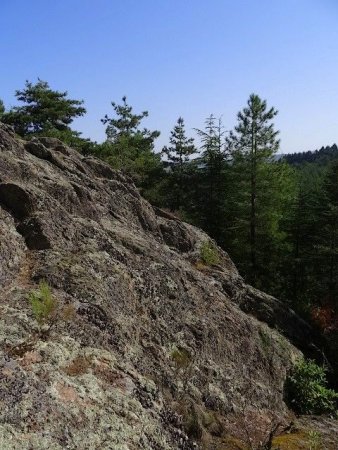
[306, 389]
[209, 253]
[43, 303]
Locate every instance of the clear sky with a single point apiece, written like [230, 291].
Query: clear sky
[188, 57]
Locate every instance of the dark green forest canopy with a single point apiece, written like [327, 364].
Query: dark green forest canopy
[322, 156]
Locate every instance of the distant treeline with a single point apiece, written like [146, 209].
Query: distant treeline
[322, 156]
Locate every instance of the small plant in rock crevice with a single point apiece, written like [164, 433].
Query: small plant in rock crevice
[209, 254]
[266, 339]
[43, 304]
[181, 358]
[183, 362]
[314, 440]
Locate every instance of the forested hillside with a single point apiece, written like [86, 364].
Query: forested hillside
[323, 156]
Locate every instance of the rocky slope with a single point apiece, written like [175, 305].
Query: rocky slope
[146, 347]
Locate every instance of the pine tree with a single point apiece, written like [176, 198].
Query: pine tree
[44, 111]
[124, 128]
[130, 148]
[210, 182]
[178, 155]
[252, 145]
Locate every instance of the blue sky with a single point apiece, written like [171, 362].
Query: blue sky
[189, 58]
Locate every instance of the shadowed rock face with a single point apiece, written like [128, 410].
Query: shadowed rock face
[148, 348]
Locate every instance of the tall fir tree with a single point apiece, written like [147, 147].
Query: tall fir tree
[256, 205]
[178, 154]
[210, 182]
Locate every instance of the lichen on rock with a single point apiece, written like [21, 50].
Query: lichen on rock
[129, 292]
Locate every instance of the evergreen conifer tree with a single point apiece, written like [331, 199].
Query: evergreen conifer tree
[300, 225]
[130, 148]
[210, 179]
[44, 110]
[327, 250]
[178, 155]
[255, 206]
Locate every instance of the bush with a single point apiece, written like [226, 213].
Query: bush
[43, 303]
[209, 253]
[306, 389]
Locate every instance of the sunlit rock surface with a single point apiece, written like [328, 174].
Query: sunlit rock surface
[148, 348]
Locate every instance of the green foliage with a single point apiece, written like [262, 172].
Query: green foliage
[2, 108]
[183, 362]
[254, 135]
[314, 440]
[310, 271]
[178, 156]
[43, 303]
[44, 110]
[327, 246]
[320, 157]
[71, 139]
[260, 189]
[209, 253]
[306, 389]
[130, 148]
[126, 124]
[265, 339]
[181, 147]
[209, 181]
[181, 358]
[299, 225]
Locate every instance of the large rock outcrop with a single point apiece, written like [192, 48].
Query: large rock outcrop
[147, 348]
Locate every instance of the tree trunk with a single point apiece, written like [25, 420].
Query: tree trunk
[253, 207]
